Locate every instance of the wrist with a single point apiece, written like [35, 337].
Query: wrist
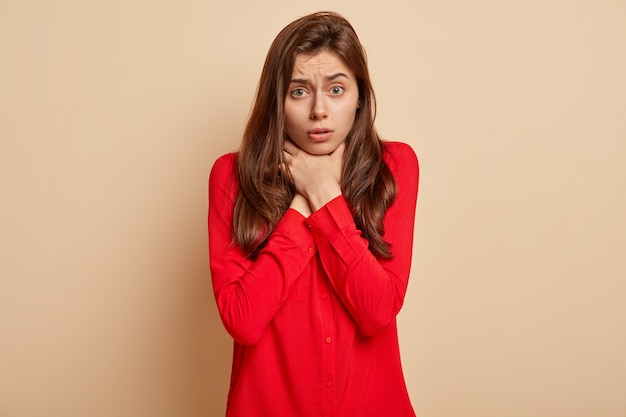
[301, 205]
[322, 197]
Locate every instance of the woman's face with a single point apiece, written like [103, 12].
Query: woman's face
[321, 103]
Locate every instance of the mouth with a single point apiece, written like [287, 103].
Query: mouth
[320, 134]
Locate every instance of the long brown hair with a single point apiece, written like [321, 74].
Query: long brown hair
[366, 182]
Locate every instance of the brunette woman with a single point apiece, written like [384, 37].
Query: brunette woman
[310, 236]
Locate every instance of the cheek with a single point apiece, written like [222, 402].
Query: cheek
[347, 112]
[293, 122]
[291, 114]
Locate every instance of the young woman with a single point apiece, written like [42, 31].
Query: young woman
[310, 236]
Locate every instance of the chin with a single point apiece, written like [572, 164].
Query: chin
[321, 148]
[318, 152]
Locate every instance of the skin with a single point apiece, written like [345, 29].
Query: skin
[319, 108]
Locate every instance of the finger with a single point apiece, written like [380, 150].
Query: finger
[290, 147]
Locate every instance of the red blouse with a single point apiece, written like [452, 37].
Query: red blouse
[314, 317]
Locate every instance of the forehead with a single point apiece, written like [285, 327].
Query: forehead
[324, 62]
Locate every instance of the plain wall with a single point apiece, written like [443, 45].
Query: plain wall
[112, 113]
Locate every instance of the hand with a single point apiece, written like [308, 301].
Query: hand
[316, 177]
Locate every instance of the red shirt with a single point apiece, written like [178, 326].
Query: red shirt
[314, 317]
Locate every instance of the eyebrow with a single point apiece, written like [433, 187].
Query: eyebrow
[328, 78]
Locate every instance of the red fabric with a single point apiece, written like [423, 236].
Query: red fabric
[314, 317]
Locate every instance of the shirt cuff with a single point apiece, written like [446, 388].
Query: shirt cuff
[333, 224]
[293, 226]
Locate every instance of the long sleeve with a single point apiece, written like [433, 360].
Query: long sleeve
[298, 313]
[371, 289]
[249, 293]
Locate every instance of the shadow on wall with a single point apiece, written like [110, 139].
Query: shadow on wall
[218, 346]
[215, 137]
[218, 357]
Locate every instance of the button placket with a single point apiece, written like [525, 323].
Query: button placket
[327, 346]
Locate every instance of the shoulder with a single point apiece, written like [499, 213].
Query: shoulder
[224, 166]
[225, 162]
[224, 173]
[400, 158]
[404, 166]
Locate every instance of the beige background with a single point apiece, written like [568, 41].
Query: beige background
[112, 113]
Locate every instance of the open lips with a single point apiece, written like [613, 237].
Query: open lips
[320, 134]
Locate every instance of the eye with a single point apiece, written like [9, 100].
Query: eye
[298, 92]
[336, 90]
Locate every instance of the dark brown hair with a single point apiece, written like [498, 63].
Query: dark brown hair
[366, 182]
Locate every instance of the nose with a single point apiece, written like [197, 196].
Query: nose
[320, 109]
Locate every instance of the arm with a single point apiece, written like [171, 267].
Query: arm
[371, 289]
[248, 293]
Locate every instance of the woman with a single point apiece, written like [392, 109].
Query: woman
[310, 236]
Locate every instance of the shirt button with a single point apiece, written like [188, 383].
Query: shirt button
[329, 383]
[324, 296]
[311, 250]
[329, 340]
